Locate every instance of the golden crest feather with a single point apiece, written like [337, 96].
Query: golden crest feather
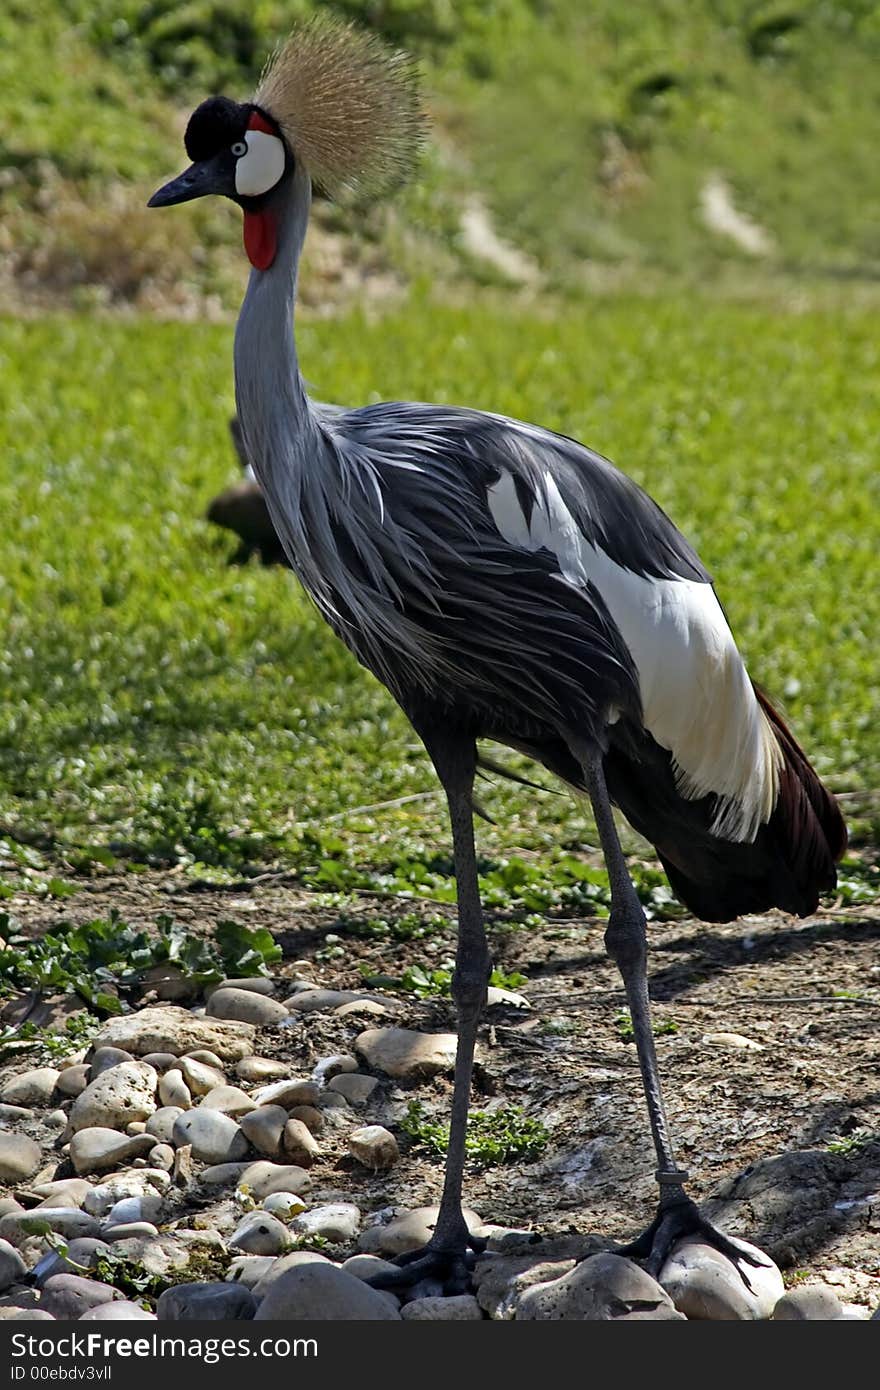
[348, 106]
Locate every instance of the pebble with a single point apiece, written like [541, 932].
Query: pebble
[97, 1150]
[282, 1264]
[120, 1094]
[338, 1222]
[168, 1028]
[809, 1303]
[173, 1090]
[703, 1283]
[328, 1067]
[288, 1094]
[332, 1100]
[223, 1174]
[409, 1231]
[495, 996]
[261, 1178]
[69, 1222]
[315, 1000]
[20, 1157]
[254, 1070]
[81, 1253]
[121, 1310]
[12, 1266]
[230, 1099]
[161, 1123]
[602, 1288]
[72, 1080]
[102, 1197]
[66, 1192]
[103, 1058]
[322, 1293]
[374, 1146]
[129, 1230]
[56, 1119]
[299, 1144]
[201, 1077]
[367, 1266]
[204, 1302]
[407, 1055]
[246, 1007]
[264, 1128]
[127, 1210]
[14, 1114]
[161, 1157]
[256, 984]
[260, 1234]
[356, 1087]
[248, 1270]
[310, 1116]
[31, 1087]
[214, 1137]
[284, 1205]
[732, 1042]
[460, 1308]
[70, 1295]
[202, 1054]
[161, 1061]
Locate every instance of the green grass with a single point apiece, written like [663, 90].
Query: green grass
[158, 704]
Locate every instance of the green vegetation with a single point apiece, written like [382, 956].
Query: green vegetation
[46, 1045]
[161, 707]
[100, 959]
[494, 1137]
[660, 1027]
[429, 982]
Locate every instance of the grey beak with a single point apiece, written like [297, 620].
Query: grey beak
[208, 176]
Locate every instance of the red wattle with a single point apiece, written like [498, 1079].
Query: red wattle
[260, 238]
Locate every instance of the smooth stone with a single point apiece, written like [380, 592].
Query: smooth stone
[130, 1230]
[168, 1028]
[703, 1283]
[161, 1157]
[74, 1080]
[159, 1255]
[213, 1136]
[338, 1222]
[602, 1288]
[246, 1007]
[223, 1174]
[299, 1144]
[68, 1222]
[173, 1090]
[103, 1058]
[732, 1042]
[288, 1094]
[809, 1303]
[230, 1099]
[201, 1077]
[206, 1302]
[102, 1197]
[97, 1150]
[328, 1067]
[374, 1146]
[207, 1058]
[356, 1087]
[136, 1127]
[248, 1270]
[264, 1128]
[254, 984]
[261, 1178]
[323, 1293]
[64, 1192]
[404, 1054]
[315, 1000]
[332, 1100]
[34, 1087]
[169, 983]
[284, 1205]
[56, 1119]
[18, 1314]
[14, 1114]
[161, 1061]
[161, 1123]
[255, 1070]
[366, 1011]
[122, 1310]
[20, 1157]
[81, 1253]
[147, 1208]
[410, 1231]
[70, 1295]
[12, 1266]
[9, 1204]
[459, 1308]
[120, 1094]
[367, 1266]
[260, 1234]
[283, 1264]
[310, 1116]
[496, 996]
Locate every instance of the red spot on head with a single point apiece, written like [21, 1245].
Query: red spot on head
[258, 122]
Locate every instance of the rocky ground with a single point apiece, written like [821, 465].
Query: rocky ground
[244, 1155]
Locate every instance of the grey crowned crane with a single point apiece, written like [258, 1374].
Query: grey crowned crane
[506, 583]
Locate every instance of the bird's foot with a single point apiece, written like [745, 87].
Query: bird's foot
[447, 1266]
[677, 1217]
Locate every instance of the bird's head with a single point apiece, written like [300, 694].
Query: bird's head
[334, 101]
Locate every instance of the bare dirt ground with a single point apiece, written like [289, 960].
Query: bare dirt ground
[782, 1137]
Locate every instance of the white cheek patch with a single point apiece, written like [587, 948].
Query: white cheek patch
[261, 168]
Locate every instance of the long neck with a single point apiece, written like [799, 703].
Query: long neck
[279, 427]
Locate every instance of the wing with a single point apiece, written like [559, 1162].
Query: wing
[517, 531]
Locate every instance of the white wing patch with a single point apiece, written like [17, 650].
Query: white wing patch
[261, 168]
[697, 698]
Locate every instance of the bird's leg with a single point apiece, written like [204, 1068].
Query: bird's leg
[626, 943]
[448, 1256]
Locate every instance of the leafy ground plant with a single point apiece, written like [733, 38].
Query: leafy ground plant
[659, 1026]
[494, 1137]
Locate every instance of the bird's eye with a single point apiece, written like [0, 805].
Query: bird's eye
[239, 148]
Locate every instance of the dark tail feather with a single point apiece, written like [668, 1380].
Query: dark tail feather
[788, 865]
